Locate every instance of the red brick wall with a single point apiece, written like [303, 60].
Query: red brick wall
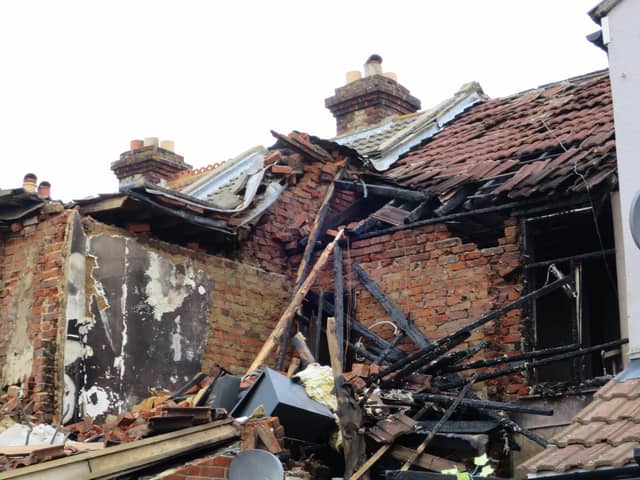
[442, 284]
[210, 468]
[32, 276]
[275, 240]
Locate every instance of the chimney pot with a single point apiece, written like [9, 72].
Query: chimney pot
[373, 66]
[168, 145]
[29, 182]
[136, 144]
[369, 100]
[150, 141]
[44, 189]
[353, 75]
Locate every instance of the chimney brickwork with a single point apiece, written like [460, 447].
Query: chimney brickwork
[147, 164]
[367, 101]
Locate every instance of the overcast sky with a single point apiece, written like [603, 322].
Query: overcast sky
[79, 79]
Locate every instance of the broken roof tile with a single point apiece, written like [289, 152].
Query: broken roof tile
[540, 134]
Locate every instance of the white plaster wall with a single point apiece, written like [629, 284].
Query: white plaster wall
[624, 70]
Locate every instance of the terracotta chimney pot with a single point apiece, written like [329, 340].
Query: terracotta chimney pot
[29, 182]
[44, 189]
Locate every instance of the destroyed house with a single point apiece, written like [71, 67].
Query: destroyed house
[406, 228]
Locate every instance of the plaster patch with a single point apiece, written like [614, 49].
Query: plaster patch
[18, 365]
[96, 401]
[176, 341]
[168, 286]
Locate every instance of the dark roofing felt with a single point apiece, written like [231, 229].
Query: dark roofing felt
[603, 434]
[554, 139]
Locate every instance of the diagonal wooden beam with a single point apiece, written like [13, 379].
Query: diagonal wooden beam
[391, 308]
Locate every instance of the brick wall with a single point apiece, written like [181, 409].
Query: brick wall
[210, 468]
[246, 300]
[275, 241]
[32, 279]
[442, 284]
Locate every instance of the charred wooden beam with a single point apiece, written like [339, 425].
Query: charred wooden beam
[384, 353]
[448, 362]
[338, 299]
[468, 402]
[318, 326]
[300, 345]
[459, 426]
[539, 363]
[513, 358]
[398, 317]
[420, 211]
[361, 330]
[583, 256]
[436, 428]
[467, 329]
[381, 190]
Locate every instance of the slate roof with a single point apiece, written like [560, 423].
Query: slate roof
[554, 139]
[383, 143]
[603, 434]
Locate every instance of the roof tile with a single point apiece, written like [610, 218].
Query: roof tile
[539, 135]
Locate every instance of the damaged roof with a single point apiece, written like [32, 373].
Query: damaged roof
[554, 139]
[16, 203]
[222, 197]
[604, 434]
[385, 142]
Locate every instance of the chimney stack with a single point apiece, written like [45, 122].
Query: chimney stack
[148, 162]
[29, 183]
[364, 102]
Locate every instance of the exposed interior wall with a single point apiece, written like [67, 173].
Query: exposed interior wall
[31, 301]
[443, 284]
[153, 314]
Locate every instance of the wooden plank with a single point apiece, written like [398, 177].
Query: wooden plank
[425, 460]
[299, 295]
[369, 463]
[398, 317]
[129, 457]
[268, 439]
[103, 205]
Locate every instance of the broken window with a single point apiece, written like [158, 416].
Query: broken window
[577, 243]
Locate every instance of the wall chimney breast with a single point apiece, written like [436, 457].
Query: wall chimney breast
[366, 101]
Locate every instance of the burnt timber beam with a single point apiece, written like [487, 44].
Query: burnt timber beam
[583, 256]
[361, 330]
[398, 317]
[436, 428]
[338, 299]
[539, 363]
[513, 358]
[381, 190]
[417, 213]
[318, 326]
[468, 402]
[472, 326]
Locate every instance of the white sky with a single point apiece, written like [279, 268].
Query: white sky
[79, 79]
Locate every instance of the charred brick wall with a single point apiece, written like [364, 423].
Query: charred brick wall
[158, 313]
[32, 303]
[443, 284]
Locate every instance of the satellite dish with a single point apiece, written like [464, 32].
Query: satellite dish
[256, 464]
[635, 219]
